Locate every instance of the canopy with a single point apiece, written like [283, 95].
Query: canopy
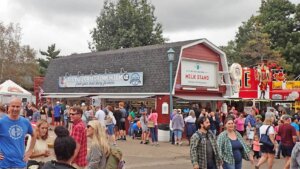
[11, 88]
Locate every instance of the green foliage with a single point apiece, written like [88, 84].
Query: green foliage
[17, 61]
[50, 54]
[128, 23]
[273, 34]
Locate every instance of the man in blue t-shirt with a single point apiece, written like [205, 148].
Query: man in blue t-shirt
[13, 129]
[57, 111]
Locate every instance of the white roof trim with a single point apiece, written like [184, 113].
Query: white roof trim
[116, 94]
[223, 59]
[213, 98]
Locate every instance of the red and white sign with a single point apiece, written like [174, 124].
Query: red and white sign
[199, 73]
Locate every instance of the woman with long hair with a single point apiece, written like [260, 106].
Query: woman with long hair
[145, 129]
[268, 152]
[100, 148]
[232, 147]
[110, 123]
[40, 150]
[153, 130]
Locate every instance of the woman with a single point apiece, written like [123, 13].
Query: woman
[145, 129]
[153, 130]
[232, 147]
[40, 150]
[64, 148]
[268, 152]
[190, 124]
[240, 124]
[110, 123]
[99, 149]
[178, 126]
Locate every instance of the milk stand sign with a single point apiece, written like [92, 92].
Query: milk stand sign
[199, 73]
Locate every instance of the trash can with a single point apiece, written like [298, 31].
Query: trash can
[163, 133]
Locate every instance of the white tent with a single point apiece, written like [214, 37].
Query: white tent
[10, 89]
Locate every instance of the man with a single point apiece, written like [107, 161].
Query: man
[288, 139]
[100, 116]
[250, 123]
[28, 111]
[57, 112]
[122, 128]
[49, 112]
[78, 132]
[13, 129]
[203, 147]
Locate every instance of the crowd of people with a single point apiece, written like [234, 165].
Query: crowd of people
[258, 137]
[216, 138]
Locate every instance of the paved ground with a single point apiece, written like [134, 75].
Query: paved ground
[164, 156]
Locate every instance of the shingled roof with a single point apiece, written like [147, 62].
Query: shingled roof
[151, 60]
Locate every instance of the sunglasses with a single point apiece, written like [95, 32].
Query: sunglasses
[72, 114]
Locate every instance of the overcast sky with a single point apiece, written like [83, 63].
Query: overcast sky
[68, 22]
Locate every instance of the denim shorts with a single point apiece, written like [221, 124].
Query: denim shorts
[177, 133]
[110, 129]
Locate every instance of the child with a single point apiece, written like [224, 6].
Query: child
[256, 147]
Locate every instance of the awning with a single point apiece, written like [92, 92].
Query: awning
[62, 96]
[214, 98]
[122, 96]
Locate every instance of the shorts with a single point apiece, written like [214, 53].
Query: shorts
[110, 129]
[57, 119]
[145, 128]
[286, 150]
[267, 149]
[121, 126]
[177, 133]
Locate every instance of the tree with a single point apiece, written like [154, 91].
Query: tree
[128, 23]
[273, 34]
[50, 54]
[17, 61]
[280, 19]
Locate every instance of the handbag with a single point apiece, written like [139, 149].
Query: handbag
[150, 124]
[265, 139]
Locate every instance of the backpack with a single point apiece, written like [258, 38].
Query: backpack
[114, 160]
[108, 119]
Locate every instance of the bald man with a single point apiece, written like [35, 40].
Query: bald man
[13, 129]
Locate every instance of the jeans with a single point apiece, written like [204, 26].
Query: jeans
[130, 130]
[153, 132]
[232, 166]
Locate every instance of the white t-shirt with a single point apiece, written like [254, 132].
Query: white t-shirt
[263, 129]
[190, 119]
[100, 115]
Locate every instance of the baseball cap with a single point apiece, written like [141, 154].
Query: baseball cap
[258, 116]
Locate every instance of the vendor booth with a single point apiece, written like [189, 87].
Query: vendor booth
[9, 89]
